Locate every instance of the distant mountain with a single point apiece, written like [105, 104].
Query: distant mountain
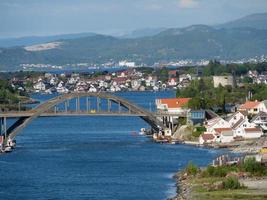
[143, 32]
[193, 42]
[32, 40]
[257, 21]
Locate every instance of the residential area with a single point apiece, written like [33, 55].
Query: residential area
[125, 80]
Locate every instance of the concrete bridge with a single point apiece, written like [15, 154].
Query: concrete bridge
[50, 108]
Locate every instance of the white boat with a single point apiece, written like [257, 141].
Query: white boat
[11, 143]
[142, 131]
[7, 149]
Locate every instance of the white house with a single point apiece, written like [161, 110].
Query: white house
[245, 129]
[254, 107]
[252, 133]
[236, 117]
[172, 105]
[216, 122]
[40, 86]
[224, 135]
[61, 89]
[260, 120]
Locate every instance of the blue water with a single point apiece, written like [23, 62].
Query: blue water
[94, 158]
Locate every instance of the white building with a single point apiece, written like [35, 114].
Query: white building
[254, 107]
[40, 86]
[223, 81]
[173, 105]
[125, 63]
[260, 120]
[216, 122]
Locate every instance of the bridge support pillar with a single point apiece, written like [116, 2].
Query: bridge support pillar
[3, 127]
[109, 105]
[78, 104]
[98, 104]
[88, 104]
[66, 106]
[119, 107]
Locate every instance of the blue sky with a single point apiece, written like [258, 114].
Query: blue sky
[47, 17]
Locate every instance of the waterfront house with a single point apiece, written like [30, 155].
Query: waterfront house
[250, 133]
[173, 105]
[206, 138]
[260, 120]
[216, 122]
[253, 107]
[242, 127]
[224, 135]
[196, 117]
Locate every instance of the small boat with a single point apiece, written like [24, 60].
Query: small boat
[8, 149]
[11, 143]
[143, 131]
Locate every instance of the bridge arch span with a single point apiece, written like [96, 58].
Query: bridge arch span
[22, 122]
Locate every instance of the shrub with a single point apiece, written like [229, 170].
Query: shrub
[255, 168]
[210, 170]
[191, 169]
[198, 131]
[231, 183]
[216, 171]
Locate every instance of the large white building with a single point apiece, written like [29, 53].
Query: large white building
[223, 81]
[125, 63]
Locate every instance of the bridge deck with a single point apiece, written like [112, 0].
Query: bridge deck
[77, 113]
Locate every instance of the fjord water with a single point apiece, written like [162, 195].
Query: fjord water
[94, 158]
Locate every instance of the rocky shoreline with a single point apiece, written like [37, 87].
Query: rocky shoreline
[183, 187]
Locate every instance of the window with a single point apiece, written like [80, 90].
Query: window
[255, 109]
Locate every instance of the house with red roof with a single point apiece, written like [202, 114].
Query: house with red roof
[207, 138]
[253, 107]
[173, 105]
[226, 130]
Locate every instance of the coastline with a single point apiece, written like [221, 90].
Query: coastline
[184, 188]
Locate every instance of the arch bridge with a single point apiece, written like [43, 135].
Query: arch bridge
[50, 108]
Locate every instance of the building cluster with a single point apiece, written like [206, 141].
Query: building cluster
[248, 122]
[127, 80]
[238, 126]
[257, 78]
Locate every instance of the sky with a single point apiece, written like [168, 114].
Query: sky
[49, 17]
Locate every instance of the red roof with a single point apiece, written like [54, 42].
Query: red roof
[120, 79]
[175, 102]
[207, 136]
[250, 105]
[220, 130]
[172, 73]
[252, 129]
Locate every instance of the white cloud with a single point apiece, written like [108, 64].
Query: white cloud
[187, 3]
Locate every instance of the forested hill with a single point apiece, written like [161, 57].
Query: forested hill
[193, 42]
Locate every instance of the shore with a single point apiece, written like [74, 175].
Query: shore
[256, 188]
[195, 188]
